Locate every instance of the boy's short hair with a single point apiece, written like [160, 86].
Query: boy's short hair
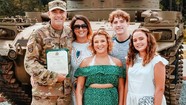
[119, 13]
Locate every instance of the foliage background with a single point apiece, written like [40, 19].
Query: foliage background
[19, 7]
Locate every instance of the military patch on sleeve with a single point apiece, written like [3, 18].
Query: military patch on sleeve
[30, 48]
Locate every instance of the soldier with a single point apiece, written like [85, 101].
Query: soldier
[49, 87]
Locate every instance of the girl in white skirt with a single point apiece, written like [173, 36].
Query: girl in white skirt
[146, 72]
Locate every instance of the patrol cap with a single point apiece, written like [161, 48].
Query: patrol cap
[57, 4]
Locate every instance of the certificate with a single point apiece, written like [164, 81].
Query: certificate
[57, 60]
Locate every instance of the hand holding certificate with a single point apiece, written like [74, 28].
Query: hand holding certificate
[57, 61]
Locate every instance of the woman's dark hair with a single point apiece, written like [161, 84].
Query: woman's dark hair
[85, 20]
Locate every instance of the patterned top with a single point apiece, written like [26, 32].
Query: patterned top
[101, 74]
[44, 81]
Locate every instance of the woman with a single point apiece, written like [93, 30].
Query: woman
[100, 80]
[82, 32]
[146, 71]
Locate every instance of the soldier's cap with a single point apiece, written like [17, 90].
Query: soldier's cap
[57, 4]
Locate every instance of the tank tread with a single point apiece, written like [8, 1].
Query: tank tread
[174, 72]
[11, 88]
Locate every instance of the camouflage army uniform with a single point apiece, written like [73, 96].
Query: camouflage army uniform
[45, 88]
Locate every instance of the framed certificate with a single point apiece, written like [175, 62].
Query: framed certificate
[57, 60]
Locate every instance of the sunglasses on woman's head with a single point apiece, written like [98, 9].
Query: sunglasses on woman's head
[83, 26]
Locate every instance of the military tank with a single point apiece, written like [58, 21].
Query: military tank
[14, 81]
[167, 27]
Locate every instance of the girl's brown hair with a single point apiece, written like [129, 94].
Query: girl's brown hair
[150, 50]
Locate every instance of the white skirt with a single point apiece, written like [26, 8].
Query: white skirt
[133, 99]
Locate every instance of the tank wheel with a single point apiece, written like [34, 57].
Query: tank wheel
[15, 92]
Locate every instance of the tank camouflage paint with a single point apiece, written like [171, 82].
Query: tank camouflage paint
[14, 80]
[167, 27]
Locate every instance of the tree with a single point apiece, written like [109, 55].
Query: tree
[174, 5]
[5, 7]
[19, 7]
[45, 2]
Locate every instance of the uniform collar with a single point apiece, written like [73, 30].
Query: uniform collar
[55, 33]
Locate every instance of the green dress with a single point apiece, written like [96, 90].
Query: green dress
[100, 74]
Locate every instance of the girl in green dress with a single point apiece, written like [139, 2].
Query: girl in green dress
[100, 77]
